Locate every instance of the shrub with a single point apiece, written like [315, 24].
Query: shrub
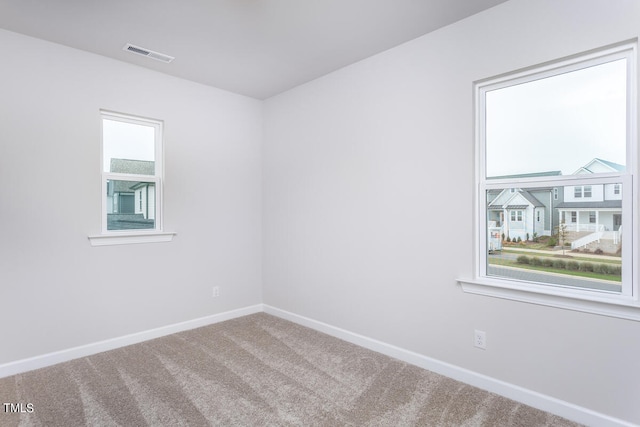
[614, 270]
[519, 239]
[536, 261]
[573, 265]
[559, 263]
[508, 239]
[598, 251]
[522, 259]
[527, 236]
[535, 237]
[600, 268]
[586, 266]
[547, 262]
[503, 237]
[552, 242]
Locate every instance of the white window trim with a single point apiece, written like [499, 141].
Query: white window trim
[625, 306]
[124, 237]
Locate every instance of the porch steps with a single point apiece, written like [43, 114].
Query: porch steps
[607, 246]
[585, 240]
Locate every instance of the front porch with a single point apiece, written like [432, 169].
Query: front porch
[583, 220]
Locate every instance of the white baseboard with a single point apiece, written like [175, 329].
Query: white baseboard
[550, 404]
[49, 359]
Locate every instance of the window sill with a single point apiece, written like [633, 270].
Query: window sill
[130, 238]
[604, 305]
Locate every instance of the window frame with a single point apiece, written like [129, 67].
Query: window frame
[625, 304]
[155, 234]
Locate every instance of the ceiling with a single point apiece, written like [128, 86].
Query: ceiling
[257, 48]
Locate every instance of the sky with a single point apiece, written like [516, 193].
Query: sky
[127, 141]
[558, 123]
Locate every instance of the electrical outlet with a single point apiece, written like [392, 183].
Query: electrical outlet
[480, 339]
[216, 292]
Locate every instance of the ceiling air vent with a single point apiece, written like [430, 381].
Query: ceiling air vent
[148, 53]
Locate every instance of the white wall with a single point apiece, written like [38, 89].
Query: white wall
[58, 292]
[367, 176]
[368, 214]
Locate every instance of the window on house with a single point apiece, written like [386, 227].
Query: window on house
[577, 192]
[565, 126]
[587, 191]
[516, 216]
[616, 189]
[131, 179]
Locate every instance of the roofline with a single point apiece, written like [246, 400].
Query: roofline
[528, 175]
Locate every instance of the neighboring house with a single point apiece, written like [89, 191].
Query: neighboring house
[593, 211]
[524, 212]
[144, 199]
[130, 204]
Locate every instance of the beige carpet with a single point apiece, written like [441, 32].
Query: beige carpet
[257, 370]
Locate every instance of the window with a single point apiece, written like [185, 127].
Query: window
[587, 191]
[582, 191]
[577, 192]
[131, 180]
[567, 127]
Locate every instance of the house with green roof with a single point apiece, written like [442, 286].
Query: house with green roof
[594, 212]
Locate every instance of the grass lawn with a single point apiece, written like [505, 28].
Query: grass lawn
[528, 245]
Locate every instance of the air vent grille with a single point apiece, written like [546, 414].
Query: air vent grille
[148, 53]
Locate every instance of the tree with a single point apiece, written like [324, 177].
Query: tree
[562, 235]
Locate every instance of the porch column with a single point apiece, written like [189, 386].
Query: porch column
[505, 222]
